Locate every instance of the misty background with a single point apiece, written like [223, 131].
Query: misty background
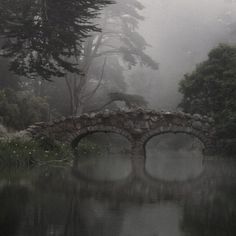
[68, 193]
[180, 34]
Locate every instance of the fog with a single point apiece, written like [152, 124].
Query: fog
[80, 151]
[168, 156]
[180, 33]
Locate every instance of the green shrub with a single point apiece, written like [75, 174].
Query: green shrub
[20, 109]
[20, 153]
[210, 90]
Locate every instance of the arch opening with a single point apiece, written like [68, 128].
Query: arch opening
[174, 157]
[103, 156]
[77, 137]
[167, 131]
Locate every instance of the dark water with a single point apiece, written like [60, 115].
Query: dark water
[185, 195]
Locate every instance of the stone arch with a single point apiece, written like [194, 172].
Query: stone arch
[138, 126]
[75, 138]
[177, 130]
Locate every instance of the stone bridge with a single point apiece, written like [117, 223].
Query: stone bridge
[138, 126]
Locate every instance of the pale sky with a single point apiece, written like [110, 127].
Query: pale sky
[182, 32]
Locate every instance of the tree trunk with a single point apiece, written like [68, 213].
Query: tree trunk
[80, 109]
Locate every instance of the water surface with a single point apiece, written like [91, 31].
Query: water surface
[189, 197]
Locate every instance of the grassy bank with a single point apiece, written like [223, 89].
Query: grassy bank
[21, 153]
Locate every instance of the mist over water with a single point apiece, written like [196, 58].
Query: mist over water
[132, 220]
[174, 157]
[152, 220]
[168, 157]
[62, 203]
[108, 160]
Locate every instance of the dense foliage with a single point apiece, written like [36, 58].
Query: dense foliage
[211, 89]
[20, 109]
[41, 36]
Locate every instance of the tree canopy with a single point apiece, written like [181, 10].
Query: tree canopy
[43, 36]
[211, 89]
[106, 54]
[120, 36]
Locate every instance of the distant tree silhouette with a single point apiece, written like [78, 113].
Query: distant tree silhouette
[211, 90]
[106, 54]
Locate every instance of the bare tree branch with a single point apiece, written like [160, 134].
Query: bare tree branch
[99, 82]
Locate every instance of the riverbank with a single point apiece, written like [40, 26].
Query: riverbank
[19, 152]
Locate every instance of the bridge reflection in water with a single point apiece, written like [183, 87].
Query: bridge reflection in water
[143, 188]
[59, 201]
[147, 186]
